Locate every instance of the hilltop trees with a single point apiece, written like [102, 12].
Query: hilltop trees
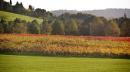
[30, 8]
[5, 6]
[19, 8]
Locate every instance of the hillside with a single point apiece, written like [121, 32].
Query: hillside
[107, 13]
[11, 16]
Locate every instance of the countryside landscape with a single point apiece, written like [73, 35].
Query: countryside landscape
[37, 40]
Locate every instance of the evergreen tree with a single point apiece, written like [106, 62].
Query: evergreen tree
[10, 2]
[30, 8]
[19, 8]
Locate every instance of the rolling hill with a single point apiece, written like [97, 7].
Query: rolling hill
[107, 13]
[11, 16]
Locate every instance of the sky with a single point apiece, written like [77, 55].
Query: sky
[79, 5]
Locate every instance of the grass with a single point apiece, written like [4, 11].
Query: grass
[11, 16]
[14, 63]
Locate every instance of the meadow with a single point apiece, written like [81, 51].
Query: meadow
[15, 63]
[59, 45]
[12, 16]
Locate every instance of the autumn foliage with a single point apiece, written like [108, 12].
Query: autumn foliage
[60, 45]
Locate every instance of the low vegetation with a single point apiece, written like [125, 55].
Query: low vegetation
[14, 63]
[88, 46]
[12, 16]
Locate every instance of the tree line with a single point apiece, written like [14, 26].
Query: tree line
[65, 24]
[19, 9]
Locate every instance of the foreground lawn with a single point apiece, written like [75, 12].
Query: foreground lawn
[14, 63]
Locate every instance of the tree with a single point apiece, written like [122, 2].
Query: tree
[4, 25]
[84, 29]
[58, 28]
[31, 8]
[39, 13]
[125, 27]
[112, 29]
[10, 2]
[33, 27]
[1, 4]
[7, 6]
[19, 26]
[19, 8]
[93, 26]
[72, 27]
[97, 27]
[10, 26]
[46, 27]
[1, 27]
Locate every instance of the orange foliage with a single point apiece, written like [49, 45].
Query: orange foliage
[65, 45]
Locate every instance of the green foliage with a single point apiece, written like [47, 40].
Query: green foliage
[112, 29]
[4, 25]
[34, 27]
[46, 27]
[12, 16]
[69, 24]
[97, 27]
[19, 26]
[1, 27]
[124, 26]
[58, 28]
[84, 28]
[18, 8]
[72, 27]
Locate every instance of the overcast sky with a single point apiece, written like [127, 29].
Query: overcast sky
[75, 4]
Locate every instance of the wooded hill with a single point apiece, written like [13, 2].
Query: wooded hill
[65, 24]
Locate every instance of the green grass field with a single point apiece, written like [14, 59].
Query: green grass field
[14, 63]
[11, 16]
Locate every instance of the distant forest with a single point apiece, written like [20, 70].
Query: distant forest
[65, 24]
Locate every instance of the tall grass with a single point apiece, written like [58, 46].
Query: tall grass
[65, 45]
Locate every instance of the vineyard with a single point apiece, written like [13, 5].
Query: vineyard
[59, 45]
